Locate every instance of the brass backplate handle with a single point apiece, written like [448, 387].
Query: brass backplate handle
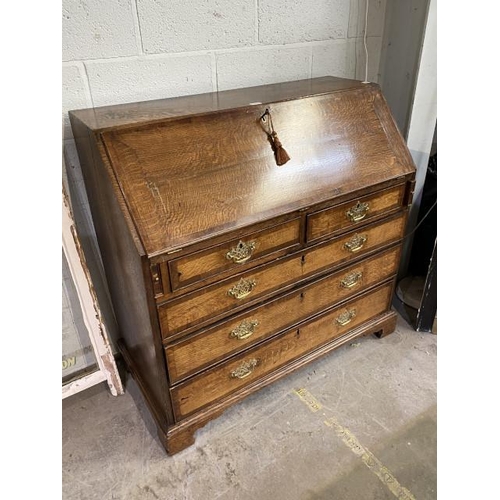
[358, 212]
[245, 369]
[346, 317]
[355, 244]
[244, 330]
[242, 289]
[351, 280]
[242, 252]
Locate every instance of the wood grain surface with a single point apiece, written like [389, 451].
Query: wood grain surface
[207, 304]
[201, 390]
[332, 220]
[199, 265]
[334, 253]
[191, 178]
[137, 113]
[181, 434]
[176, 186]
[210, 346]
[126, 272]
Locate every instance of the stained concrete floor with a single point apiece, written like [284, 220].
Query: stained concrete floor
[362, 428]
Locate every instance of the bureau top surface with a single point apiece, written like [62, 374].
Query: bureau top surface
[129, 114]
[194, 167]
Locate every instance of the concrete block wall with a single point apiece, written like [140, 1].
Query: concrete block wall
[117, 51]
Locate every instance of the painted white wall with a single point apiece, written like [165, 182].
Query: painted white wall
[400, 57]
[422, 120]
[117, 51]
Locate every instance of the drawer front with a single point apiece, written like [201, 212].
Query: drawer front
[353, 245]
[348, 215]
[228, 377]
[197, 308]
[233, 254]
[209, 302]
[211, 346]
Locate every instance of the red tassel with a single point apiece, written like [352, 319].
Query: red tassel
[280, 154]
[279, 151]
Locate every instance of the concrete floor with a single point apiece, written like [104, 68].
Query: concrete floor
[363, 428]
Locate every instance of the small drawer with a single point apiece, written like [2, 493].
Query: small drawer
[198, 352]
[198, 308]
[245, 252]
[252, 365]
[358, 211]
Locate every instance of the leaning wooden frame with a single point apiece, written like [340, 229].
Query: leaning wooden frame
[106, 366]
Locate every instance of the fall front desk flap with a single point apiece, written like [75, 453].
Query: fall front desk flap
[189, 177]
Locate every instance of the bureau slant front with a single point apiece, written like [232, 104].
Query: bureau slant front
[244, 234]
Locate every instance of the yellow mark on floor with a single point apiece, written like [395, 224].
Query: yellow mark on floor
[313, 404]
[368, 458]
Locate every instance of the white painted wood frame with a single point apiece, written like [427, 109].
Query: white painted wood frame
[107, 369]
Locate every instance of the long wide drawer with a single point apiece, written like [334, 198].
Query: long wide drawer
[345, 248]
[208, 304]
[191, 355]
[233, 254]
[226, 378]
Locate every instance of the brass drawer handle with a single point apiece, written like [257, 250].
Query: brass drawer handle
[245, 369]
[351, 279]
[242, 289]
[242, 252]
[346, 317]
[355, 244]
[244, 330]
[358, 212]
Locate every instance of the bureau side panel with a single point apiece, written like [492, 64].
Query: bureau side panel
[131, 292]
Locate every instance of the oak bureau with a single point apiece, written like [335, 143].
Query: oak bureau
[243, 234]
